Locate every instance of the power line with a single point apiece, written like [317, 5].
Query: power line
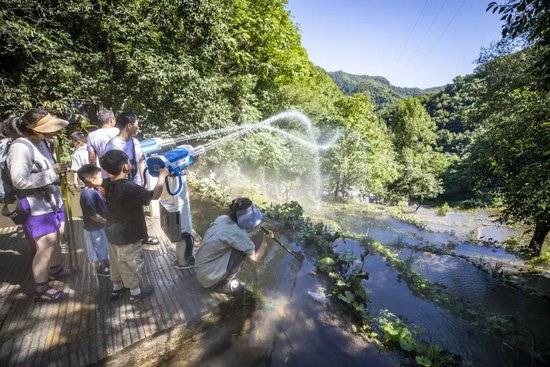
[445, 29]
[411, 32]
[427, 30]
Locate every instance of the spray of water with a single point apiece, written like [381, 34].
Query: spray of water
[266, 124]
[234, 132]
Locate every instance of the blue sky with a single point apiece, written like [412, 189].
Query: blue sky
[422, 43]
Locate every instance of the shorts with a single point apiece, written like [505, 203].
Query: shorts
[97, 245]
[40, 225]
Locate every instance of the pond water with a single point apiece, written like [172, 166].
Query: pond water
[387, 291]
[295, 325]
[290, 327]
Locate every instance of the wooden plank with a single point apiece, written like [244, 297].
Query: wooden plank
[89, 327]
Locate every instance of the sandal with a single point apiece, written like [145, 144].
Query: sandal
[50, 294]
[151, 241]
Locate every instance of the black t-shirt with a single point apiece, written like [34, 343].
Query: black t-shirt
[125, 217]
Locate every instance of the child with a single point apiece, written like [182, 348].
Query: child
[126, 226]
[94, 211]
[80, 155]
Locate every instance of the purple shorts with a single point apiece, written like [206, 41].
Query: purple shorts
[37, 226]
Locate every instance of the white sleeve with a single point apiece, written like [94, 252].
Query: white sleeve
[89, 145]
[20, 164]
[139, 152]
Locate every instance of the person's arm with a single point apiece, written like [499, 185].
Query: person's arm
[20, 164]
[157, 191]
[92, 155]
[141, 195]
[140, 159]
[260, 253]
[241, 241]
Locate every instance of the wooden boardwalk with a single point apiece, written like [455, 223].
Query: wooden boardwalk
[89, 327]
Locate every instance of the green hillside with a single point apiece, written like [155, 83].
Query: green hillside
[381, 91]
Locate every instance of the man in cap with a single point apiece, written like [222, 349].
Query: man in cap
[226, 244]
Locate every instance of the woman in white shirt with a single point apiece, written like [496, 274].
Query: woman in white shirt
[34, 175]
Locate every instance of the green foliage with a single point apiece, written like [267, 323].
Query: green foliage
[377, 88]
[455, 112]
[443, 209]
[421, 167]
[209, 189]
[290, 214]
[397, 333]
[510, 155]
[363, 159]
[528, 20]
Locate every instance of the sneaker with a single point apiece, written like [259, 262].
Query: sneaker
[189, 263]
[233, 287]
[144, 293]
[103, 272]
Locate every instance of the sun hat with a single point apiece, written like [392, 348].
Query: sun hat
[48, 124]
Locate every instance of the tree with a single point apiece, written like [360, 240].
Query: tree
[413, 133]
[510, 155]
[363, 159]
[528, 19]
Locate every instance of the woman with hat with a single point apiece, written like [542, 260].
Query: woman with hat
[34, 176]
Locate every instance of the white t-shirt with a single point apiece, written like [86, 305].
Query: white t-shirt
[80, 158]
[129, 147]
[98, 139]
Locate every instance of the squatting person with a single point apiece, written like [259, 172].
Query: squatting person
[226, 245]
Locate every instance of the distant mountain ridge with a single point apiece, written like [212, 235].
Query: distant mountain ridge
[381, 91]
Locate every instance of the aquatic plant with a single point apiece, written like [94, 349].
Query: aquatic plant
[502, 327]
[398, 334]
[443, 209]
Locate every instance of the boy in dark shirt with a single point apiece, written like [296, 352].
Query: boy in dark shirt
[126, 226]
[94, 212]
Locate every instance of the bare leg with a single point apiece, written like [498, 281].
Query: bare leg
[41, 262]
[57, 257]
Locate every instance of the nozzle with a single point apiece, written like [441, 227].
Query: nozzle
[198, 150]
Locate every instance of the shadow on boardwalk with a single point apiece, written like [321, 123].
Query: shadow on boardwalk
[89, 327]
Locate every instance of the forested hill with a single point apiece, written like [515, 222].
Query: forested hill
[381, 91]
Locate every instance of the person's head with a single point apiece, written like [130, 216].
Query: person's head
[38, 124]
[115, 162]
[243, 212]
[90, 175]
[128, 122]
[106, 118]
[78, 138]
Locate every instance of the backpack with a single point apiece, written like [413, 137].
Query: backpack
[8, 193]
[6, 187]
